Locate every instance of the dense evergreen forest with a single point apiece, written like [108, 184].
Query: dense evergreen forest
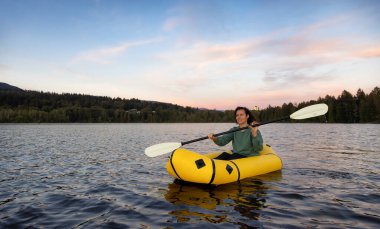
[19, 106]
[346, 108]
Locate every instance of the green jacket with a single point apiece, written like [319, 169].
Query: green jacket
[242, 142]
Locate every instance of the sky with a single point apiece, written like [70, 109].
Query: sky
[208, 54]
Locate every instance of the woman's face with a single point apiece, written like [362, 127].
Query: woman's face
[241, 117]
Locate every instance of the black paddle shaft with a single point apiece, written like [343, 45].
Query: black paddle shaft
[231, 131]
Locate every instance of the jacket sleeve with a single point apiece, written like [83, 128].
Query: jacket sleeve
[224, 139]
[257, 142]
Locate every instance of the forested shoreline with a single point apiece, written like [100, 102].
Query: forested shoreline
[19, 106]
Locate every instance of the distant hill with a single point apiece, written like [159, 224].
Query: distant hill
[26, 106]
[7, 87]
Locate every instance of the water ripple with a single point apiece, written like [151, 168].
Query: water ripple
[96, 175]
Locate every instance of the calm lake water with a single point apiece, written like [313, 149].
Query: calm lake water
[96, 175]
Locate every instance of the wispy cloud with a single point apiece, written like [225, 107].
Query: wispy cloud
[107, 55]
[171, 23]
[313, 40]
[276, 62]
[284, 77]
[369, 52]
[194, 20]
[205, 54]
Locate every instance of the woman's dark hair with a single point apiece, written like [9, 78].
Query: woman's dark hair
[247, 112]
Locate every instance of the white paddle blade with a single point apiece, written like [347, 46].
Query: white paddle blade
[162, 148]
[310, 111]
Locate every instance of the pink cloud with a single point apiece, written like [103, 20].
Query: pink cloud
[106, 55]
[171, 23]
[305, 42]
[370, 52]
[286, 66]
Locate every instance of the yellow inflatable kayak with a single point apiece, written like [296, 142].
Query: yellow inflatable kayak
[193, 167]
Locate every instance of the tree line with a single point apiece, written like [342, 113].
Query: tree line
[45, 107]
[346, 108]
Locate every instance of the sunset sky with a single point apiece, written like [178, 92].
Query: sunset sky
[209, 54]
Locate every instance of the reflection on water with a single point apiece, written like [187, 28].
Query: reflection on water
[245, 198]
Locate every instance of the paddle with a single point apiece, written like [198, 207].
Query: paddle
[304, 113]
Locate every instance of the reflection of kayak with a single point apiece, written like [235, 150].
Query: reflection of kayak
[209, 197]
[194, 167]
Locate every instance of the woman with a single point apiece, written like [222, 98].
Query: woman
[245, 143]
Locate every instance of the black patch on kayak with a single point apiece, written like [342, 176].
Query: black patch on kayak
[200, 163]
[229, 169]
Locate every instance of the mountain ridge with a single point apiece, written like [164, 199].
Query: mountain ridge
[8, 87]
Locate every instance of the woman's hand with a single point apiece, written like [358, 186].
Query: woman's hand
[254, 129]
[212, 137]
